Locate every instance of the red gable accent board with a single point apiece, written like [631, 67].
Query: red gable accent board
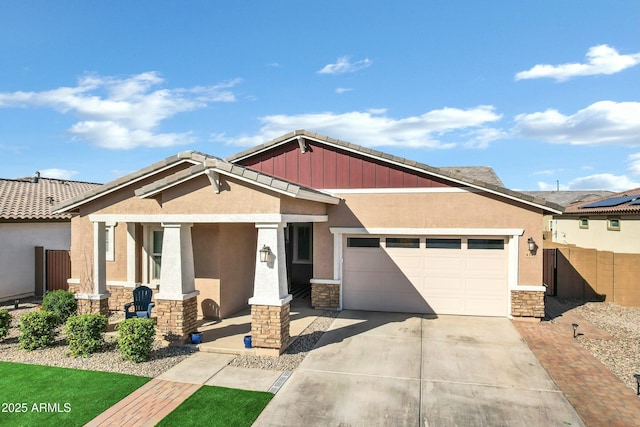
[327, 167]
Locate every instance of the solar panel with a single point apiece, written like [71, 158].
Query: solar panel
[635, 202]
[607, 203]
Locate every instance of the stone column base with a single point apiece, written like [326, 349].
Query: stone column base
[93, 306]
[270, 326]
[325, 295]
[527, 304]
[176, 319]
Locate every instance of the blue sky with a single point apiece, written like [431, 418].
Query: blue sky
[546, 92]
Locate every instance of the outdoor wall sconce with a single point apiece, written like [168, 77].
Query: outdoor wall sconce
[265, 253]
[575, 328]
[532, 245]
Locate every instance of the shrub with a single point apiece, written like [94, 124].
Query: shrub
[38, 329]
[62, 303]
[135, 338]
[84, 333]
[5, 323]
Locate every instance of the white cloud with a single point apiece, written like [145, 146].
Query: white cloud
[122, 113]
[342, 90]
[604, 122]
[634, 169]
[344, 65]
[601, 59]
[603, 181]
[56, 173]
[375, 128]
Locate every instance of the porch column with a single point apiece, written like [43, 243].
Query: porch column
[176, 305]
[131, 254]
[97, 301]
[270, 304]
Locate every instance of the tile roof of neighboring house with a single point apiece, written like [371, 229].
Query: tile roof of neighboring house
[200, 163]
[480, 179]
[30, 199]
[626, 202]
[565, 198]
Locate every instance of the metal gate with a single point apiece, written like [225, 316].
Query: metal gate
[58, 270]
[549, 269]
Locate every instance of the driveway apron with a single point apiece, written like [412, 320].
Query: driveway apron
[393, 369]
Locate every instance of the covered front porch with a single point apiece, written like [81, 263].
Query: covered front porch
[227, 335]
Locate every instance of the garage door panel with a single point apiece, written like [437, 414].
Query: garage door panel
[420, 280]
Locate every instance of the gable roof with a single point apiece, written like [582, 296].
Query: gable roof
[626, 202]
[33, 199]
[200, 164]
[481, 178]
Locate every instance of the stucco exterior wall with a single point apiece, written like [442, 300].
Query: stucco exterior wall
[17, 253]
[198, 196]
[432, 210]
[626, 240]
[237, 256]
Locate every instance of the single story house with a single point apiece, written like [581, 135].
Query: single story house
[607, 223]
[368, 230]
[27, 221]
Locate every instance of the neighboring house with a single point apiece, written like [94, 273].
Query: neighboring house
[608, 223]
[27, 221]
[564, 198]
[369, 230]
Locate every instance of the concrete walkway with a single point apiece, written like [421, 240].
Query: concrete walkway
[156, 399]
[598, 396]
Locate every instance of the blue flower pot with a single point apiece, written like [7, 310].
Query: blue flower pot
[196, 337]
[247, 341]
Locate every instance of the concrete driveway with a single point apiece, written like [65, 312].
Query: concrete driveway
[378, 369]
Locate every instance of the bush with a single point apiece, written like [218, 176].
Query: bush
[38, 329]
[84, 333]
[135, 338]
[62, 303]
[5, 323]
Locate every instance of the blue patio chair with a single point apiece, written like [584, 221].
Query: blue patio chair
[141, 304]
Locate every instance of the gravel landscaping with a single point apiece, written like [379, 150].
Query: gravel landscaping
[621, 354]
[162, 357]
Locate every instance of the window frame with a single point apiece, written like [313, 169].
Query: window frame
[402, 242]
[109, 242]
[612, 227]
[487, 242]
[296, 243]
[457, 240]
[362, 239]
[583, 223]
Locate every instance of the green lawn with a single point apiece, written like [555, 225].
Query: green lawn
[35, 395]
[218, 406]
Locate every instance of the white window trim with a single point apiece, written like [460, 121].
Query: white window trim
[147, 247]
[110, 249]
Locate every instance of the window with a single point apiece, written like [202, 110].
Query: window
[402, 242]
[156, 253]
[613, 224]
[108, 242]
[302, 243]
[363, 242]
[584, 223]
[433, 243]
[492, 244]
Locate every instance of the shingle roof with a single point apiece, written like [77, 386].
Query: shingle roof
[629, 206]
[31, 199]
[480, 173]
[479, 179]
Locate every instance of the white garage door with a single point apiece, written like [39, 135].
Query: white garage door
[442, 275]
